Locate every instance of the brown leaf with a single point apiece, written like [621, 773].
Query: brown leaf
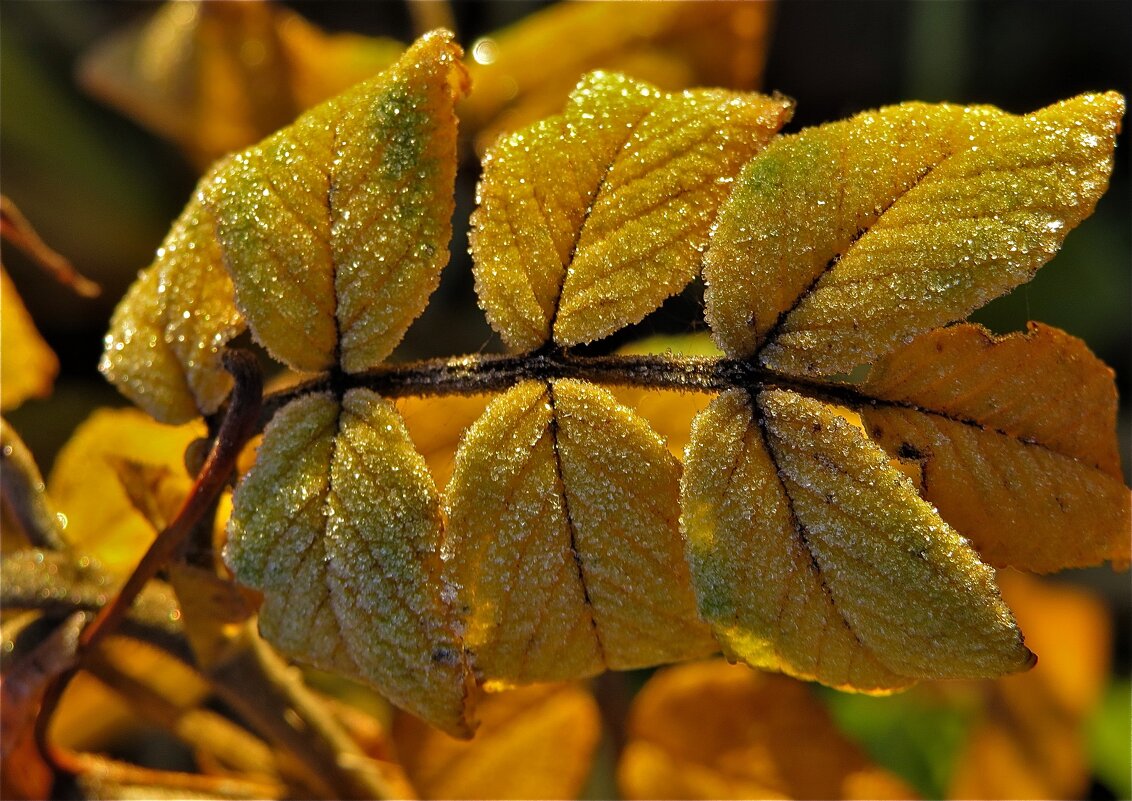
[712, 730]
[533, 742]
[1014, 437]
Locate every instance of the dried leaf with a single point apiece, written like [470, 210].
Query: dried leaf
[1029, 743]
[562, 548]
[524, 73]
[709, 730]
[215, 77]
[861, 584]
[27, 364]
[589, 220]
[843, 241]
[338, 523]
[102, 521]
[335, 229]
[1014, 436]
[166, 336]
[534, 742]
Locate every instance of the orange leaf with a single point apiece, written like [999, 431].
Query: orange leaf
[1014, 436]
[102, 519]
[711, 730]
[1030, 741]
[523, 73]
[534, 742]
[215, 77]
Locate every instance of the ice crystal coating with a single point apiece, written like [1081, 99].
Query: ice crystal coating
[563, 549]
[589, 220]
[844, 241]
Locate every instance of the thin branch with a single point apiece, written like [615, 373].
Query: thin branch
[271, 697]
[239, 424]
[470, 375]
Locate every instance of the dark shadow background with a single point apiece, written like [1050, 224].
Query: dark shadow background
[103, 191]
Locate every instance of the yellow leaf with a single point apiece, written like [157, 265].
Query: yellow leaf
[102, 521]
[843, 241]
[711, 730]
[338, 523]
[335, 229]
[215, 77]
[166, 336]
[859, 583]
[27, 365]
[523, 73]
[563, 548]
[1025, 465]
[587, 221]
[534, 742]
[436, 424]
[1030, 740]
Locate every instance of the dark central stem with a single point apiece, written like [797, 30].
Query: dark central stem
[470, 375]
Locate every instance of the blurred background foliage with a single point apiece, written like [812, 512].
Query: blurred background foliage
[103, 189]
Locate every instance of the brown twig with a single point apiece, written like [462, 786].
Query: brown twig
[15, 227]
[239, 424]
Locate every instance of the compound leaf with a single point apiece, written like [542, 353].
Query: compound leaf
[710, 730]
[338, 523]
[335, 229]
[587, 221]
[843, 241]
[1014, 438]
[563, 548]
[165, 339]
[863, 585]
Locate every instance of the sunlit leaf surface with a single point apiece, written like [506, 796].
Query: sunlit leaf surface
[1014, 437]
[589, 220]
[863, 586]
[563, 548]
[335, 228]
[843, 241]
[166, 335]
[338, 523]
[86, 485]
[711, 730]
[533, 742]
[27, 363]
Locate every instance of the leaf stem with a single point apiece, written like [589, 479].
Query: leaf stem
[470, 375]
[238, 426]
